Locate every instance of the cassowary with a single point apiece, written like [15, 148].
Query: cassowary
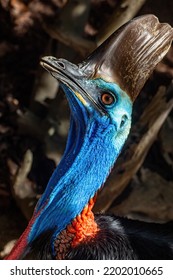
[100, 91]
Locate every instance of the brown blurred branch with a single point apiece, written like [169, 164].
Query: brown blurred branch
[69, 27]
[22, 190]
[125, 11]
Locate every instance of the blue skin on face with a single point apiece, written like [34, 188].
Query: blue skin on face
[119, 112]
[94, 143]
[122, 103]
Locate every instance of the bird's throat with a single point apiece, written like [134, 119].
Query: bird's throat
[87, 171]
[81, 230]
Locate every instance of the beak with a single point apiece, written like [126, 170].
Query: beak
[73, 77]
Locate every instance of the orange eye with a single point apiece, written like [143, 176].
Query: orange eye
[107, 98]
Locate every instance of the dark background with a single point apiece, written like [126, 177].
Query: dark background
[34, 114]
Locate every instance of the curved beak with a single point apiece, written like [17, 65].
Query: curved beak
[74, 78]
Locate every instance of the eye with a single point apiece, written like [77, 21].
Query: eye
[107, 98]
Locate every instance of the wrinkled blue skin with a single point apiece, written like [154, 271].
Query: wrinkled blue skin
[93, 145]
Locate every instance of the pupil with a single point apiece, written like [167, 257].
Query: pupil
[108, 98]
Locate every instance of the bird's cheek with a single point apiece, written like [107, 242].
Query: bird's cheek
[121, 136]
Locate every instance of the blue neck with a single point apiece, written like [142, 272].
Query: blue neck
[82, 171]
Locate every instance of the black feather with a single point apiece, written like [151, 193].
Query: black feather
[117, 239]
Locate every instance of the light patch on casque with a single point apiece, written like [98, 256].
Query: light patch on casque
[79, 96]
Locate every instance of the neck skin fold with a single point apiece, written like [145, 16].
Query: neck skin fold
[85, 167]
[82, 171]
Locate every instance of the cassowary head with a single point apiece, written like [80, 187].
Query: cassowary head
[106, 84]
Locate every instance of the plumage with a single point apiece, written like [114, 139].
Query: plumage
[100, 92]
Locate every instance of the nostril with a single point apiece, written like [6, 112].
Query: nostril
[61, 65]
[123, 121]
